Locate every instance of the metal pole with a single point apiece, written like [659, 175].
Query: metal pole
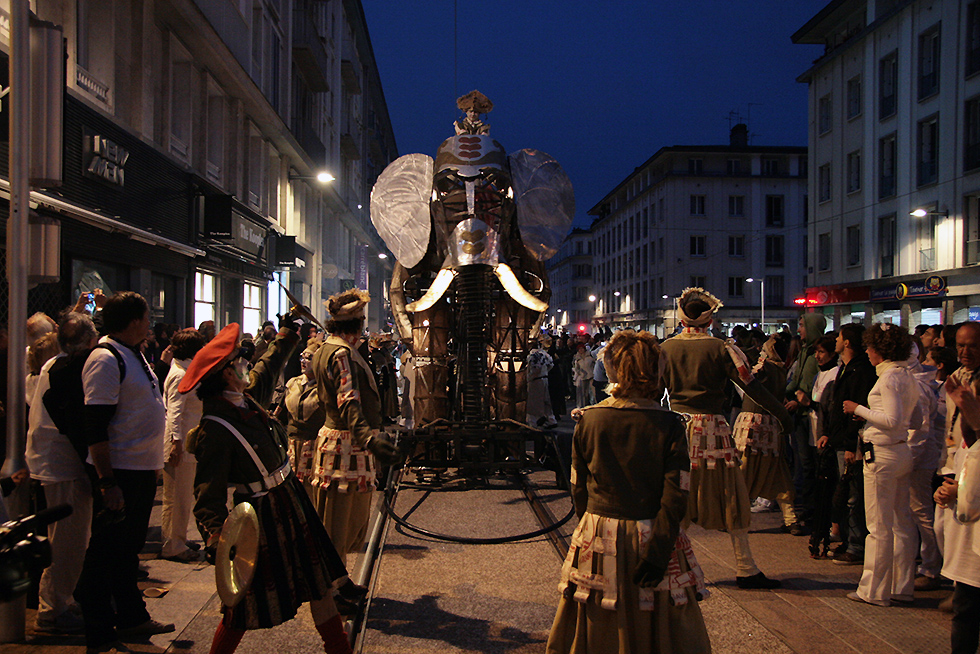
[13, 614]
[762, 302]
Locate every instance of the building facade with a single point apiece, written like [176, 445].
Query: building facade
[894, 137]
[193, 132]
[708, 216]
[572, 285]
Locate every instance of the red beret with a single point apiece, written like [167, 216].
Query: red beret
[208, 359]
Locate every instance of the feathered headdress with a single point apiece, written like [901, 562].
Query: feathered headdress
[691, 295]
[348, 305]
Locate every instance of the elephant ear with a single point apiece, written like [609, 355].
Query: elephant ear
[545, 201]
[400, 207]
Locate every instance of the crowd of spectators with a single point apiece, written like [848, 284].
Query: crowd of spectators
[881, 425]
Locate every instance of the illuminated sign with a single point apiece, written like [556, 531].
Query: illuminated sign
[103, 159]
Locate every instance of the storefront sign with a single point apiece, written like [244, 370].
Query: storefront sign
[224, 221]
[974, 314]
[930, 287]
[828, 295]
[362, 268]
[103, 159]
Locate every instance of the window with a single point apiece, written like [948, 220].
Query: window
[886, 246]
[823, 183]
[697, 205]
[854, 171]
[774, 290]
[774, 251]
[929, 63]
[971, 227]
[661, 252]
[204, 299]
[972, 38]
[853, 245]
[181, 73]
[698, 244]
[928, 151]
[216, 133]
[736, 206]
[736, 246]
[736, 287]
[734, 167]
[927, 241]
[823, 252]
[695, 166]
[697, 281]
[804, 165]
[854, 97]
[886, 162]
[888, 86]
[774, 210]
[971, 135]
[770, 167]
[646, 223]
[825, 107]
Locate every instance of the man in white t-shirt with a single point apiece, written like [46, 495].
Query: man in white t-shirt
[961, 550]
[124, 420]
[54, 461]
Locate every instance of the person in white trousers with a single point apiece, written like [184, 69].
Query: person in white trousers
[892, 541]
[183, 414]
[54, 461]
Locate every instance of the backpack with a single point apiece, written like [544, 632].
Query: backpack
[65, 399]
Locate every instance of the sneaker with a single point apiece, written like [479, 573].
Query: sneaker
[761, 505]
[66, 623]
[758, 581]
[847, 558]
[925, 582]
[187, 556]
[854, 597]
[149, 628]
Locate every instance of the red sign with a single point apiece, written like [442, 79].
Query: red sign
[829, 295]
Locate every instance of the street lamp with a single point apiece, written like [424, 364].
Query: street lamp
[323, 177]
[762, 299]
[922, 213]
[592, 298]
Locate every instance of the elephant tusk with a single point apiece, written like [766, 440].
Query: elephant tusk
[515, 290]
[435, 292]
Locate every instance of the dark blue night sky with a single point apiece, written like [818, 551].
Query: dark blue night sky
[600, 86]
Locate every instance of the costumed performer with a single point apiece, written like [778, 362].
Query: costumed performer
[758, 436]
[697, 370]
[349, 445]
[239, 444]
[630, 581]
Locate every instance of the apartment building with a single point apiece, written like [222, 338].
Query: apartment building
[708, 216]
[894, 137]
[572, 286]
[193, 134]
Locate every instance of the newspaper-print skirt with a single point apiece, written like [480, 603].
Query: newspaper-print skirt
[759, 437]
[602, 610]
[719, 498]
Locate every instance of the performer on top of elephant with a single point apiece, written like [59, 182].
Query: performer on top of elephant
[238, 444]
[698, 368]
[349, 445]
[473, 104]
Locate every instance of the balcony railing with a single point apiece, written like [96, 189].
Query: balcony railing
[92, 85]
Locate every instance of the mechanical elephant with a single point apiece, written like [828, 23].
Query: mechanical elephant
[471, 231]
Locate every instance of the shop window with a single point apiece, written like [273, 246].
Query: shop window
[204, 297]
[252, 307]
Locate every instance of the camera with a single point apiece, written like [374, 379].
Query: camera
[23, 552]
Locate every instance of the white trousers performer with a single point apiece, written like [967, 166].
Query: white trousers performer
[923, 513]
[178, 502]
[892, 542]
[69, 540]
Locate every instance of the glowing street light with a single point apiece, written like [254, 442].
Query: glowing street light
[592, 298]
[762, 299]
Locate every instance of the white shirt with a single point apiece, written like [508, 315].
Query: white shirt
[137, 428]
[890, 405]
[51, 457]
[183, 410]
[960, 560]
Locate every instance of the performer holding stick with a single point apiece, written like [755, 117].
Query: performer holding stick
[239, 444]
[698, 368]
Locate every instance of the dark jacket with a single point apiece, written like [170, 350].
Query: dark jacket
[854, 382]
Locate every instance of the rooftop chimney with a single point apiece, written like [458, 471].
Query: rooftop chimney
[739, 137]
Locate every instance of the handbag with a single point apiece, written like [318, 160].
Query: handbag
[968, 486]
